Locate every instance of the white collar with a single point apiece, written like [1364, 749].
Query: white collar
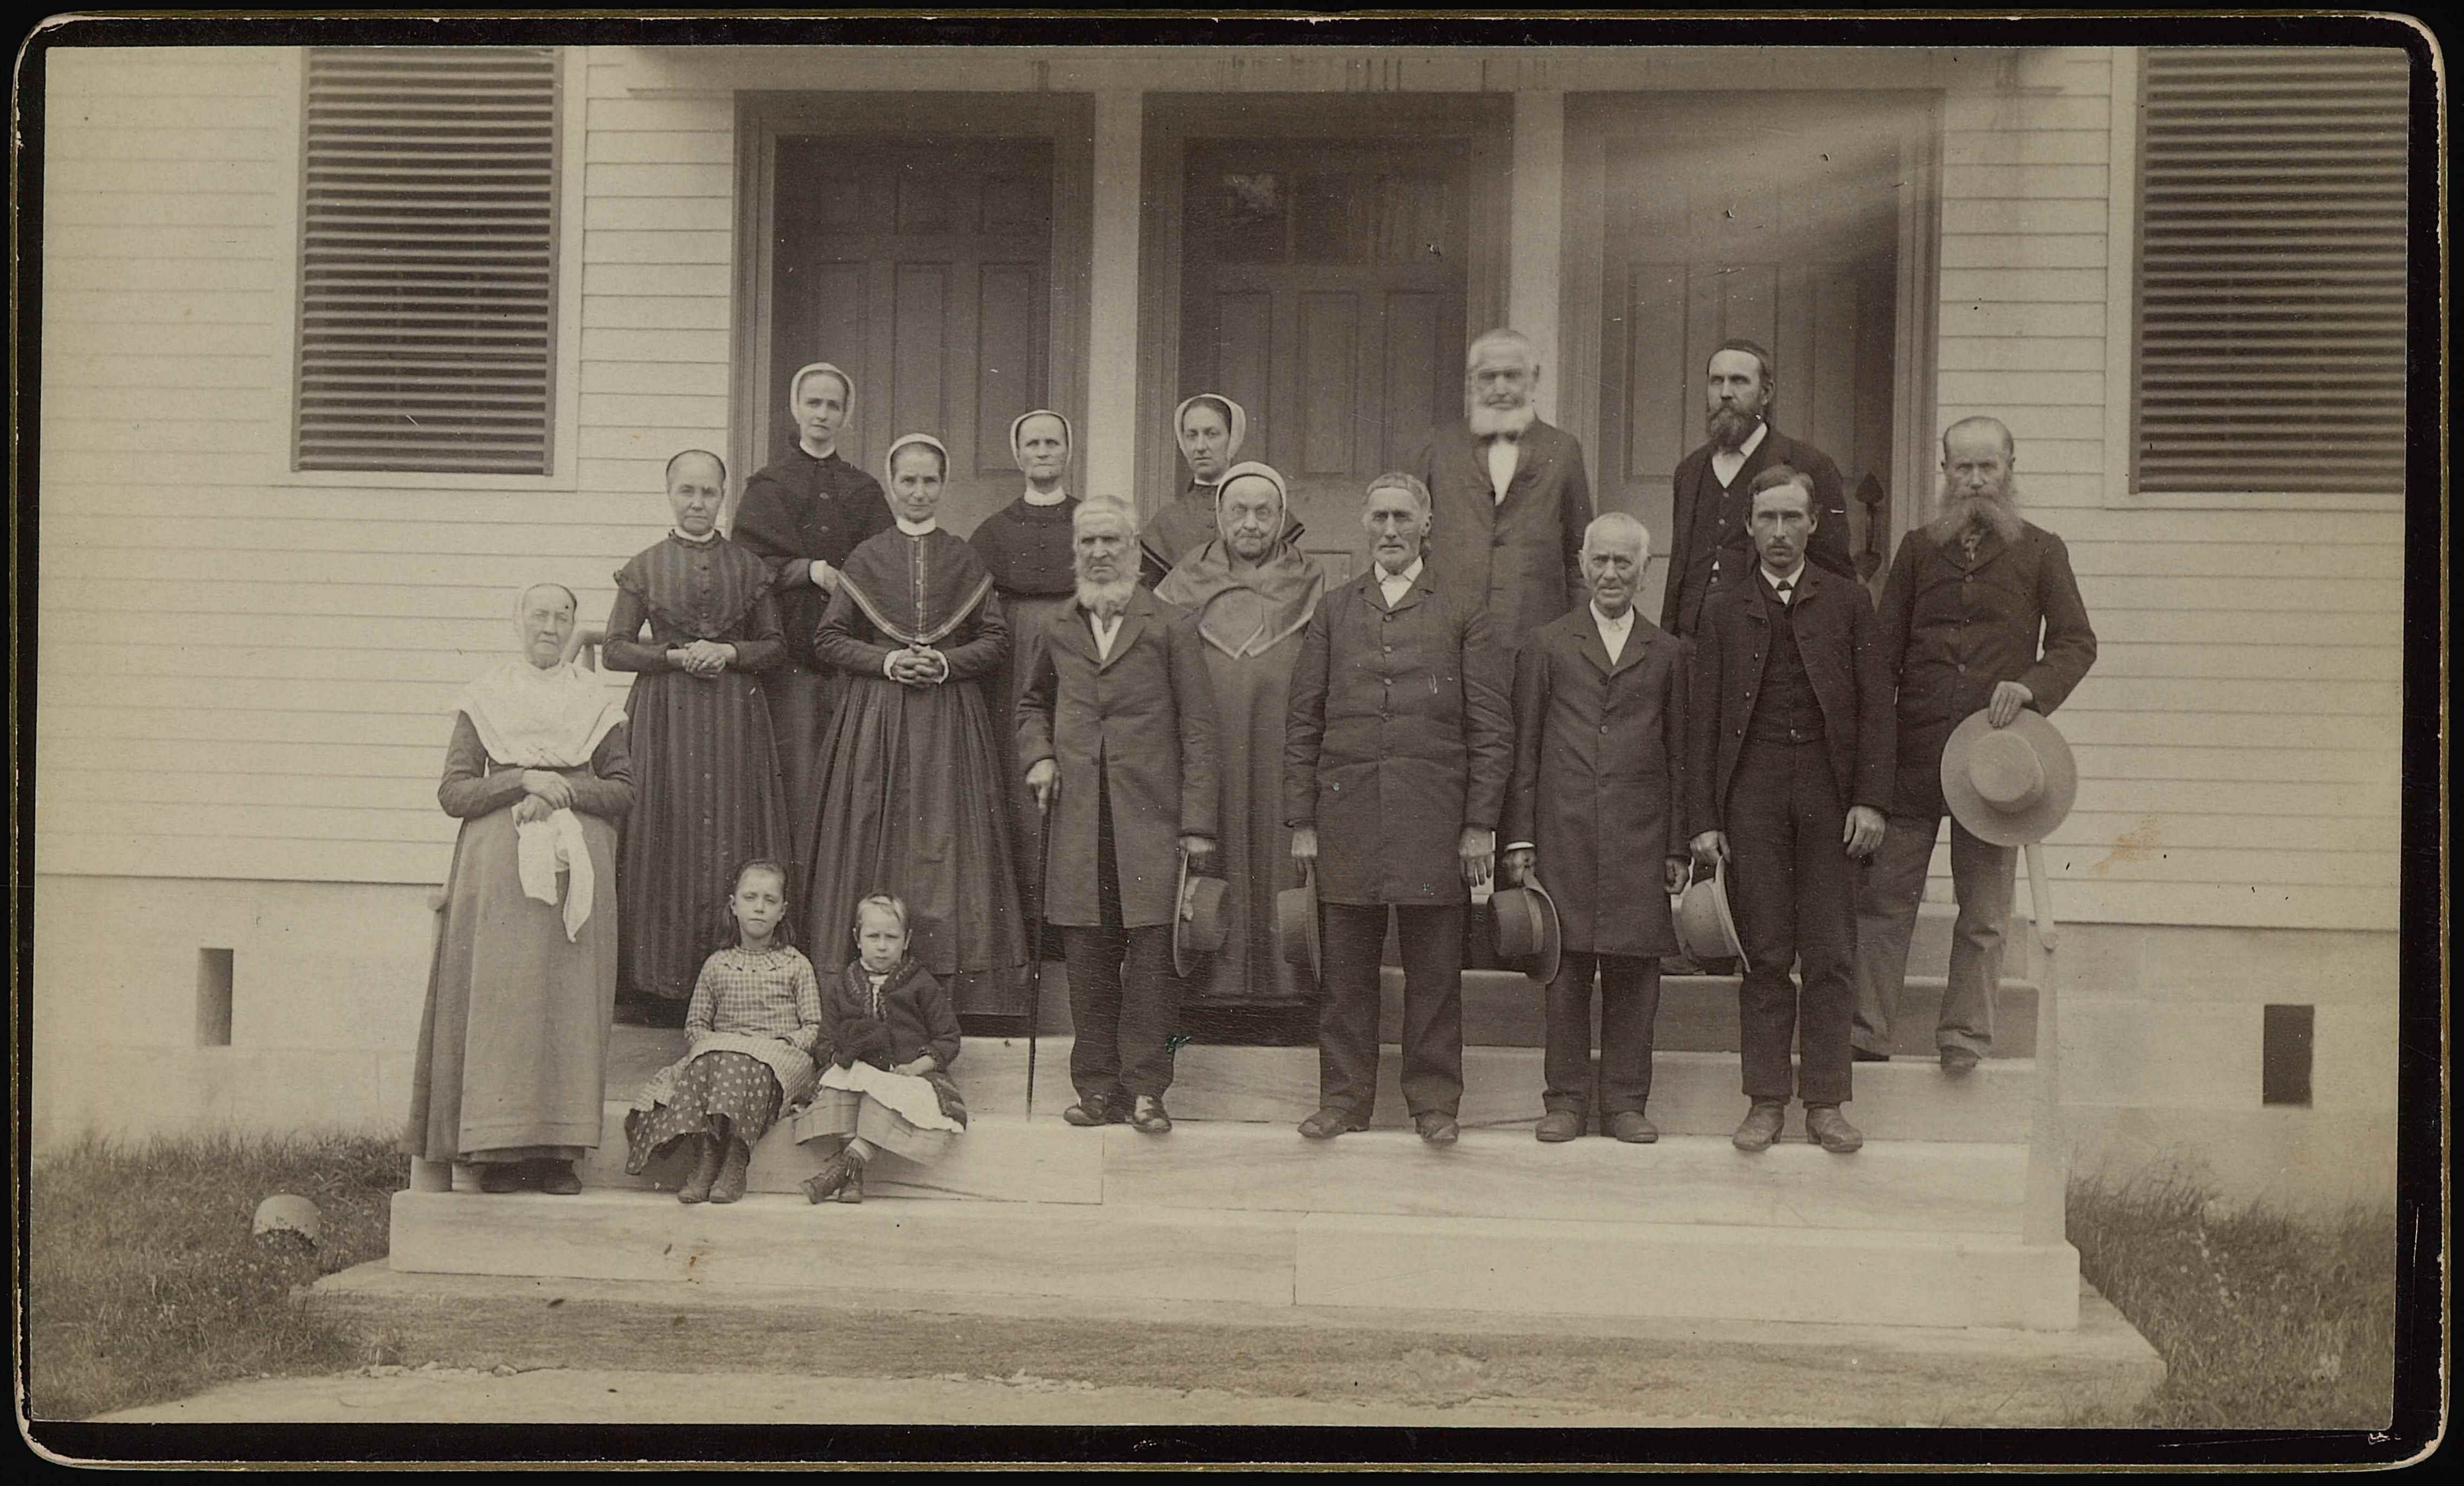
[1745, 450]
[1621, 622]
[1410, 575]
[1789, 577]
[1035, 497]
[694, 541]
[929, 525]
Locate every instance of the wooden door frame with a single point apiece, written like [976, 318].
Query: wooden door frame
[1064, 120]
[1483, 121]
[1592, 119]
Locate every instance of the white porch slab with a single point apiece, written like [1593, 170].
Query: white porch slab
[1913, 1186]
[1538, 1266]
[1004, 1248]
[999, 1160]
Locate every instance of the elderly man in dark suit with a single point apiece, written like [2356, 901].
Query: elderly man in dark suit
[1970, 596]
[1788, 772]
[1117, 731]
[1397, 752]
[1707, 547]
[1510, 493]
[1600, 706]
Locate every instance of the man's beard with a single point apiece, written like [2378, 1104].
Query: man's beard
[1106, 598]
[1486, 420]
[1995, 511]
[1729, 428]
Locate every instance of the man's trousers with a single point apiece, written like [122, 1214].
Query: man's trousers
[1353, 942]
[1886, 919]
[1792, 893]
[1629, 1007]
[1123, 997]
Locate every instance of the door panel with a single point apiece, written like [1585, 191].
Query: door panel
[1773, 217]
[922, 267]
[1323, 291]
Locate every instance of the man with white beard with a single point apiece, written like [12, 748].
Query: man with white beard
[1710, 493]
[1962, 612]
[1117, 733]
[1511, 497]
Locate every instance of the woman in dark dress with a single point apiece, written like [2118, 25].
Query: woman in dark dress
[912, 789]
[802, 516]
[708, 797]
[1025, 547]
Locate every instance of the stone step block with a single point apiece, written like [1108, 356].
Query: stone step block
[1690, 1179]
[999, 1160]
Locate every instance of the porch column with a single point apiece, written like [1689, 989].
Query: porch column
[1113, 294]
[1537, 240]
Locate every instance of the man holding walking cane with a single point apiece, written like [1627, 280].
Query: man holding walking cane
[1117, 733]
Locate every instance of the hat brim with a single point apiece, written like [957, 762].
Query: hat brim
[1708, 936]
[1530, 916]
[1989, 822]
[1543, 969]
[1196, 922]
[1296, 924]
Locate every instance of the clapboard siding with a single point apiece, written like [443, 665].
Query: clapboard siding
[2237, 740]
[247, 673]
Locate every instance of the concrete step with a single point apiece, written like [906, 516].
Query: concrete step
[1691, 1093]
[998, 1160]
[1508, 1266]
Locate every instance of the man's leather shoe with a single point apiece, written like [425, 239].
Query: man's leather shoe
[1760, 1126]
[1559, 1125]
[1329, 1123]
[1086, 1114]
[1149, 1116]
[501, 1176]
[1827, 1127]
[1958, 1061]
[1630, 1126]
[1861, 1055]
[1437, 1129]
[558, 1177]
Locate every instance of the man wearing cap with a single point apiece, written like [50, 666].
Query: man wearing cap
[1707, 546]
[1117, 731]
[1981, 613]
[1397, 749]
[1788, 771]
[1599, 706]
[1510, 493]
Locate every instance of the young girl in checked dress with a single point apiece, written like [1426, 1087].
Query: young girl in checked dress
[751, 1031]
[888, 1036]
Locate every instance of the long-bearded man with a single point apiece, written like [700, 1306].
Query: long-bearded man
[1980, 614]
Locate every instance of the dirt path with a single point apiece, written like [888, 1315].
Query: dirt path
[386, 1396]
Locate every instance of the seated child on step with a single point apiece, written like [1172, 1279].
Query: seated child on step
[749, 1035]
[888, 1038]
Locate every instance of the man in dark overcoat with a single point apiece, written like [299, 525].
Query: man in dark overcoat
[1599, 708]
[1510, 494]
[1117, 733]
[1397, 753]
[1707, 547]
[1981, 613]
[1788, 772]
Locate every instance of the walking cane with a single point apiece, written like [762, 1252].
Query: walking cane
[1035, 942]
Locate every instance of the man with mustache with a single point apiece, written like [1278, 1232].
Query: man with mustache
[1117, 731]
[1600, 716]
[1510, 494]
[1707, 546]
[1788, 770]
[1970, 595]
[1397, 752]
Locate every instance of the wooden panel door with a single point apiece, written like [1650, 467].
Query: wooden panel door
[922, 267]
[1323, 290]
[1769, 217]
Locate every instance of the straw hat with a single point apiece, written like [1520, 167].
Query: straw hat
[1525, 922]
[1706, 932]
[1198, 927]
[2011, 785]
[1296, 922]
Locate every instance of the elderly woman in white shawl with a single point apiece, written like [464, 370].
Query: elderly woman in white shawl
[1253, 592]
[513, 1046]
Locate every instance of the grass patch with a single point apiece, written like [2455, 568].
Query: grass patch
[2264, 1320]
[144, 1283]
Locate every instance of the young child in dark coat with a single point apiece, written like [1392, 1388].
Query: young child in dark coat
[889, 1037]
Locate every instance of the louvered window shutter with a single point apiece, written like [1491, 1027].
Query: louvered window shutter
[428, 260]
[2272, 307]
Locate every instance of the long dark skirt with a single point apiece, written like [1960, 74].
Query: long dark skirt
[719, 1094]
